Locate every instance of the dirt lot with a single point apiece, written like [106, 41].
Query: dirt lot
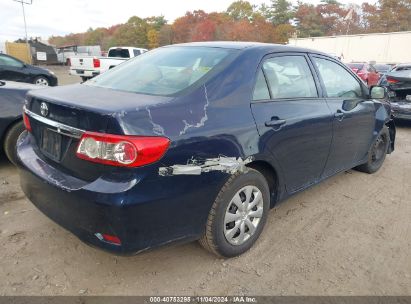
[350, 235]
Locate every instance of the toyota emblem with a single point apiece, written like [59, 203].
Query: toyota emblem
[44, 109]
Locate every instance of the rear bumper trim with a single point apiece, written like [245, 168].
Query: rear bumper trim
[60, 128]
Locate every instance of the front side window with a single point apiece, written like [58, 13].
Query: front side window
[164, 71]
[136, 52]
[289, 77]
[338, 81]
[7, 61]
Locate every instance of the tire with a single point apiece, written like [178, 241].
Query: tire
[84, 79]
[10, 141]
[42, 81]
[377, 153]
[220, 238]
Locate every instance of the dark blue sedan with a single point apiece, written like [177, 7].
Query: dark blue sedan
[197, 142]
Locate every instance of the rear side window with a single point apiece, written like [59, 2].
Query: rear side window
[121, 53]
[289, 77]
[261, 90]
[136, 52]
[338, 81]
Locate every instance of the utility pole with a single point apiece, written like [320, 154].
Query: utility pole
[28, 2]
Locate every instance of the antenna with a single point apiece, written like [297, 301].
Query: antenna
[27, 2]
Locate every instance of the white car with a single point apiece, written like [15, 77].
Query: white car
[89, 66]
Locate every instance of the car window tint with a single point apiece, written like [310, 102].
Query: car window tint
[261, 91]
[289, 77]
[136, 52]
[338, 81]
[4, 60]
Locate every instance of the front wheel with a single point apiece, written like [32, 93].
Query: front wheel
[238, 215]
[41, 81]
[377, 153]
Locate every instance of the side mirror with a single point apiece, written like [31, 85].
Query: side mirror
[377, 92]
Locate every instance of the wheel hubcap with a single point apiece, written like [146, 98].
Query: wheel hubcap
[42, 82]
[243, 215]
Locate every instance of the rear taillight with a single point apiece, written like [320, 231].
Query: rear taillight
[391, 80]
[26, 122]
[112, 239]
[121, 150]
[96, 62]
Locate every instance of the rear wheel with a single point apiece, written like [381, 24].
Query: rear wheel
[10, 141]
[377, 153]
[238, 215]
[41, 81]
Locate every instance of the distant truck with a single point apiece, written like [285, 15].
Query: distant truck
[65, 52]
[89, 66]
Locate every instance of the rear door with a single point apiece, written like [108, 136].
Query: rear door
[293, 120]
[353, 114]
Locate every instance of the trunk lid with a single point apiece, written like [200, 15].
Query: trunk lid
[70, 110]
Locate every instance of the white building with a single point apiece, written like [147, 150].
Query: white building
[2, 47]
[380, 47]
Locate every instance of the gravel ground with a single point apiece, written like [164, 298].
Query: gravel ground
[350, 235]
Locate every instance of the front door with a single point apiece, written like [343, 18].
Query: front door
[294, 123]
[11, 69]
[354, 115]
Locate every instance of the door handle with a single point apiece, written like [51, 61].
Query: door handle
[339, 115]
[275, 123]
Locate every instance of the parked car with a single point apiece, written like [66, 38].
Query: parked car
[366, 72]
[398, 83]
[90, 66]
[197, 142]
[15, 70]
[382, 69]
[12, 96]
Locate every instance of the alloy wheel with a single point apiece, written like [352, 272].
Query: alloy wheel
[41, 82]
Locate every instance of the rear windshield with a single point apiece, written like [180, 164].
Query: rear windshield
[382, 67]
[164, 71]
[121, 53]
[357, 66]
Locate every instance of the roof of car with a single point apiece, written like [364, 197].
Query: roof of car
[240, 45]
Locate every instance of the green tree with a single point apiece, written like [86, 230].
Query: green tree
[240, 9]
[156, 22]
[132, 33]
[281, 12]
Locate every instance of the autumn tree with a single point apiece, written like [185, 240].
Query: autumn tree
[308, 21]
[166, 35]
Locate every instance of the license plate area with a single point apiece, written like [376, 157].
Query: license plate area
[51, 144]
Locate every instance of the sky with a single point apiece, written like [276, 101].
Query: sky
[58, 17]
